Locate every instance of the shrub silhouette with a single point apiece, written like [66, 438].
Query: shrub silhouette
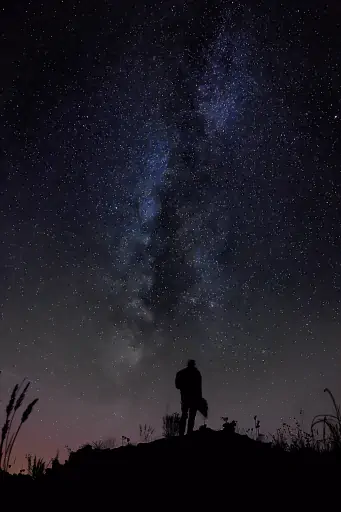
[104, 444]
[229, 426]
[293, 438]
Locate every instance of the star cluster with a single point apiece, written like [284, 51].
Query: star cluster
[170, 188]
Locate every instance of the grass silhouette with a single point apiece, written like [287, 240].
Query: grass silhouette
[331, 424]
[36, 466]
[104, 444]
[8, 433]
[171, 425]
[146, 433]
[210, 459]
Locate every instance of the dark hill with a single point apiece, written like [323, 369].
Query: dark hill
[206, 465]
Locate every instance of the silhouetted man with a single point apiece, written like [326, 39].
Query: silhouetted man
[188, 381]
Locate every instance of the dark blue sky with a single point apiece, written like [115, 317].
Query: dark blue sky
[170, 188]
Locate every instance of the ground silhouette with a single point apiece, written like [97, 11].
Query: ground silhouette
[200, 468]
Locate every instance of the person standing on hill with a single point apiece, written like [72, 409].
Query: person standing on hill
[188, 381]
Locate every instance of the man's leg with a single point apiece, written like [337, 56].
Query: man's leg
[183, 419]
[191, 419]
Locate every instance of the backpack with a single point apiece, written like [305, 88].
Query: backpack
[203, 407]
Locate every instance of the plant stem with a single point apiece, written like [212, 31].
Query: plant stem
[10, 448]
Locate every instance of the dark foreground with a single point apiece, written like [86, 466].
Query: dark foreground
[195, 471]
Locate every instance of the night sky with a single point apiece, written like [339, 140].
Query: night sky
[170, 188]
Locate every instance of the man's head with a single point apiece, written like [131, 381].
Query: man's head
[191, 363]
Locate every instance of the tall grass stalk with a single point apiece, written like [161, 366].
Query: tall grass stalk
[36, 466]
[171, 425]
[6, 426]
[25, 415]
[8, 436]
[17, 406]
[332, 422]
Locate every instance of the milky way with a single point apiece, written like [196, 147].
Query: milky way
[170, 188]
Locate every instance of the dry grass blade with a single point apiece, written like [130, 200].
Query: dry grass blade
[331, 421]
[171, 425]
[17, 406]
[336, 406]
[21, 398]
[4, 432]
[10, 404]
[10, 439]
[8, 421]
[36, 467]
[28, 410]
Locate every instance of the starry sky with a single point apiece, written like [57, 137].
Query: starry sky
[170, 188]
